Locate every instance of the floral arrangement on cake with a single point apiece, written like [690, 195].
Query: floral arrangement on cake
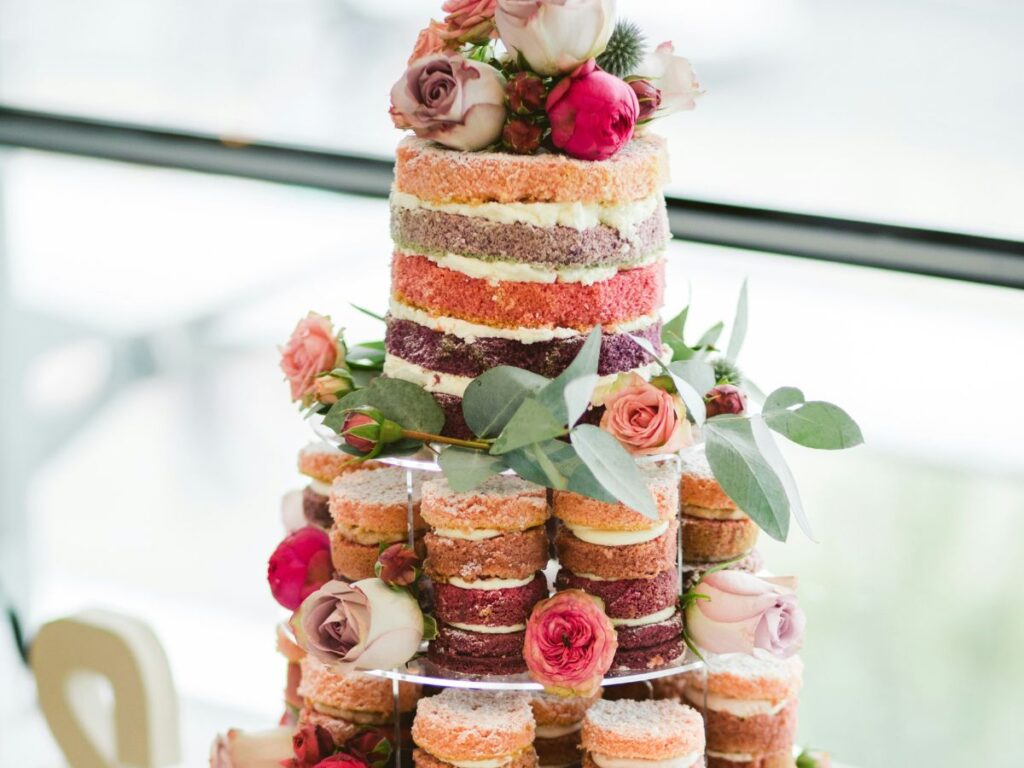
[526, 76]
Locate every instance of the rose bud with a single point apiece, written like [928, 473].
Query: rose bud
[372, 746]
[328, 388]
[592, 113]
[300, 565]
[398, 565]
[521, 136]
[311, 744]
[366, 431]
[649, 98]
[725, 398]
[554, 35]
[526, 93]
[260, 749]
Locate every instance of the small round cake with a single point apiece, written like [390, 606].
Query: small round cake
[658, 733]
[465, 727]
[559, 722]
[584, 515]
[714, 528]
[502, 503]
[323, 463]
[641, 560]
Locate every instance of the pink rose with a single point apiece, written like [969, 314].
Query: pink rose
[430, 40]
[743, 612]
[725, 398]
[592, 113]
[570, 643]
[469, 21]
[365, 625]
[312, 349]
[261, 749]
[555, 36]
[452, 100]
[300, 565]
[311, 744]
[645, 419]
[674, 78]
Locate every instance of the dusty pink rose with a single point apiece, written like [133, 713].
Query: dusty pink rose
[300, 565]
[365, 625]
[260, 749]
[570, 643]
[469, 21]
[645, 419]
[452, 100]
[430, 40]
[312, 349]
[743, 612]
[725, 398]
[592, 113]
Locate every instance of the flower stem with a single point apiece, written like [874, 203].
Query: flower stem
[426, 437]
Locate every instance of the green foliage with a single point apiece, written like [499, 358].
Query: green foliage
[739, 326]
[625, 50]
[466, 469]
[553, 395]
[492, 398]
[692, 399]
[726, 372]
[403, 402]
[613, 468]
[531, 423]
[813, 424]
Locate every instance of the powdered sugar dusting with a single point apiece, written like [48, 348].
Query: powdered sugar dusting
[478, 722]
[759, 666]
[653, 720]
[385, 485]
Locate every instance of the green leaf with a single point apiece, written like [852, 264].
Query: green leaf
[711, 336]
[745, 475]
[766, 444]
[429, 627]
[673, 335]
[493, 397]
[677, 325]
[613, 468]
[369, 312]
[585, 363]
[465, 469]
[816, 424]
[578, 393]
[782, 398]
[739, 326]
[368, 356]
[403, 402]
[692, 399]
[698, 373]
[531, 423]
[526, 462]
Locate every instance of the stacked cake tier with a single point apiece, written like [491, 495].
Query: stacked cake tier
[485, 555]
[559, 721]
[630, 562]
[511, 260]
[322, 464]
[630, 734]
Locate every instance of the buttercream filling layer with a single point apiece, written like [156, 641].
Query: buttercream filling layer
[489, 585]
[474, 534]
[740, 708]
[450, 384]
[732, 757]
[446, 353]
[517, 272]
[642, 621]
[682, 761]
[557, 731]
[324, 489]
[607, 538]
[488, 630]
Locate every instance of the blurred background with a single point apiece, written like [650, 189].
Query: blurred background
[866, 155]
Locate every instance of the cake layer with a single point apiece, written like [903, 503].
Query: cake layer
[715, 541]
[376, 501]
[515, 555]
[558, 751]
[772, 731]
[315, 508]
[450, 354]
[478, 653]
[353, 693]
[782, 759]
[652, 656]
[459, 724]
[354, 560]
[692, 572]
[502, 503]
[486, 606]
[430, 172]
[626, 598]
[642, 730]
[634, 561]
[749, 677]
[323, 462]
[698, 487]
[603, 237]
[419, 282]
[589, 518]
[527, 758]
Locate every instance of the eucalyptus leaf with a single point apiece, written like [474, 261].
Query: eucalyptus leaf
[531, 423]
[745, 475]
[530, 464]
[677, 325]
[585, 363]
[578, 393]
[613, 468]
[368, 312]
[766, 444]
[711, 336]
[816, 424]
[782, 398]
[403, 402]
[465, 469]
[493, 397]
[673, 335]
[698, 373]
[739, 326]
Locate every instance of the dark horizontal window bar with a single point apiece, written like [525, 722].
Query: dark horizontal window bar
[907, 249]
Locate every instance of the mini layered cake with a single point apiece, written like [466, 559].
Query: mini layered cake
[485, 555]
[505, 259]
[474, 729]
[322, 463]
[559, 722]
[370, 507]
[714, 529]
[642, 734]
[346, 702]
[629, 561]
[751, 710]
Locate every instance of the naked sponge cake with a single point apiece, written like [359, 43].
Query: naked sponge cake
[647, 734]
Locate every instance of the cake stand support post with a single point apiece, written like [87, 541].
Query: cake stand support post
[410, 509]
[396, 749]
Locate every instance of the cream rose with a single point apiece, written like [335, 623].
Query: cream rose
[674, 78]
[555, 35]
[259, 749]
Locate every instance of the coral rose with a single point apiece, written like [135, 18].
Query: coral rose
[365, 625]
[260, 749]
[570, 643]
[429, 41]
[743, 613]
[469, 21]
[645, 419]
[313, 348]
[300, 565]
[592, 113]
[555, 35]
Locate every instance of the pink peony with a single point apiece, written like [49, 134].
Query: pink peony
[452, 100]
[592, 113]
[570, 643]
[300, 565]
[261, 749]
[312, 349]
[645, 419]
[469, 21]
[743, 612]
[365, 625]
[725, 398]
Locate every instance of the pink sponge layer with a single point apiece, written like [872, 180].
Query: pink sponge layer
[418, 281]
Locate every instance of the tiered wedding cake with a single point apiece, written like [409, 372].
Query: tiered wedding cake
[533, 494]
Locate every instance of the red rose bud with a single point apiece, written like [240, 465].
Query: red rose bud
[526, 93]
[367, 431]
[311, 744]
[725, 398]
[371, 746]
[300, 565]
[521, 136]
[398, 565]
[649, 97]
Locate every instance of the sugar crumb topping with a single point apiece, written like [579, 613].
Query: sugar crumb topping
[642, 719]
[386, 485]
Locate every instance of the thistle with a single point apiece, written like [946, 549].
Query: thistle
[726, 372]
[625, 50]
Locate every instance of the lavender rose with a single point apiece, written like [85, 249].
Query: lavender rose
[365, 625]
[451, 100]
